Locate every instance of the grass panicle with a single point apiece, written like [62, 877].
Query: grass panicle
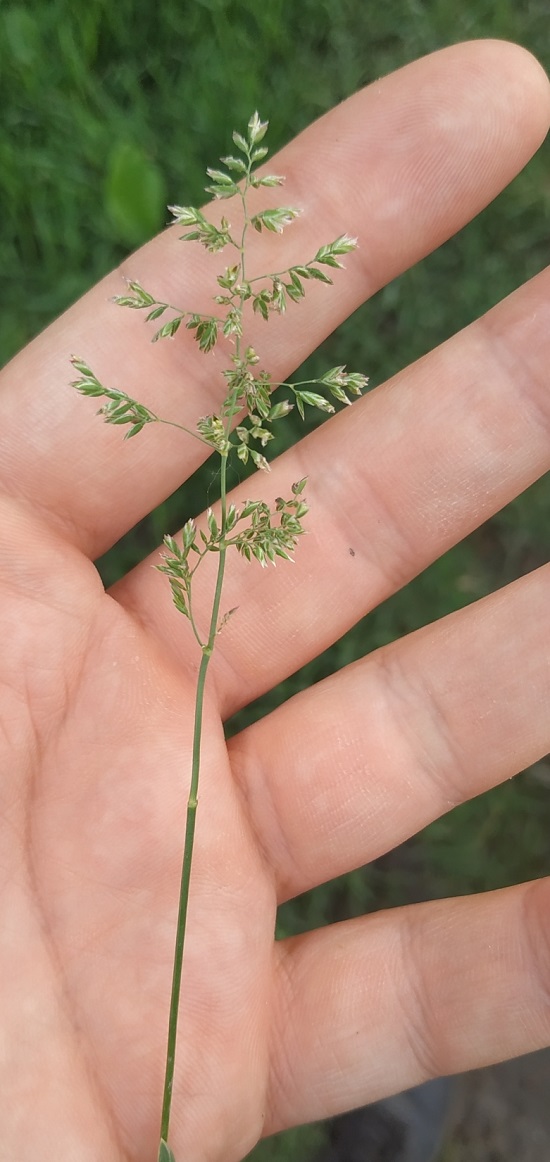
[241, 430]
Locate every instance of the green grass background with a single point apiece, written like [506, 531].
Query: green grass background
[112, 109]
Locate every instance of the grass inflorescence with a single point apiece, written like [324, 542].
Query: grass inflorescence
[241, 429]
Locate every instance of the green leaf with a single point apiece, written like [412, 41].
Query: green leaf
[339, 378]
[316, 401]
[188, 533]
[278, 298]
[261, 303]
[235, 163]
[260, 461]
[137, 299]
[339, 394]
[336, 375]
[329, 260]
[135, 429]
[171, 544]
[231, 518]
[222, 191]
[319, 275]
[258, 553]
[240, 142]
[165, 1153]
[261, 434]
[280, 409]
[299, 486]
[233, 324]
[158, 311]
[356, 382]
[134, 193]
[229, 277]
[212, 431]
[268, 180]
[80, 365]
[168, 330]
[293, 292]
[207, 334]
[219, 176]
[341, 245]
[274, 220]
[178, 597]
[250, 507]
[262, 397]
[185, 215]
[257, 129]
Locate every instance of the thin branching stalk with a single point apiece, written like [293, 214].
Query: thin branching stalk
[255, 529]
[189, 840]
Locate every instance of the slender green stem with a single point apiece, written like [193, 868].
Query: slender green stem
[278, 273]
[183, 904]
[189, 431]
[190, 832]
[294, 382]
[192, 620]
[192, 809]
[207, 650]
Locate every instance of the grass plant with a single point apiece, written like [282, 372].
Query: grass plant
[243, 426]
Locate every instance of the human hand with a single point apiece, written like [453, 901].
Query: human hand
[97, 690]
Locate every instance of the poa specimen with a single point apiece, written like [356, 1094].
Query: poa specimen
[251, 402]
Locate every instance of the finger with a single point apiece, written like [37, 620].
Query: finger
[412, 158]
[370, 1007]
[376, 752]
[399, 478]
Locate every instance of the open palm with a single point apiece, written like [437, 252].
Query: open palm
[97, 690]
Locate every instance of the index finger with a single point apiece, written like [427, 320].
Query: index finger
[402, 164]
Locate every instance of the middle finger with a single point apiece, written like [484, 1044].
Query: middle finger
[346, 771]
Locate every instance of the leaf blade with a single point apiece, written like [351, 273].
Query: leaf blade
[165, 1154]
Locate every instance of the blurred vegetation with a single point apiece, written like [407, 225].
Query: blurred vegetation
[110, 110]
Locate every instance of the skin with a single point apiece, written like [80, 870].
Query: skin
[97, 690]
